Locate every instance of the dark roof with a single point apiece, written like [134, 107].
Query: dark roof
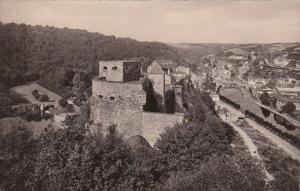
[156, 69]
[166, 64]
[124, 60]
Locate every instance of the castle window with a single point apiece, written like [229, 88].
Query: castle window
[104, 68]
[111, 98]
[115, 68]
[126, 68]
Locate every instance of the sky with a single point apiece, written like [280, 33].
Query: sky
[203, 21]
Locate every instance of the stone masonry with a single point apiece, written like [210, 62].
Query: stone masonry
[118, 98]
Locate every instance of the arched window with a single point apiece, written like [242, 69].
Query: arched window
[114, 68]
[111, 98]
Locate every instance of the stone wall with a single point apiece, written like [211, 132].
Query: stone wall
[132, 71]
[154, 124]
[118, 103]
[120, 70]
[111, 70]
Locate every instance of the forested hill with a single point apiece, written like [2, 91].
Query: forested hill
[29, 52]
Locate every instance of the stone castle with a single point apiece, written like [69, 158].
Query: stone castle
[119, 96]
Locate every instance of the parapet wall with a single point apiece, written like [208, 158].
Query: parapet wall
[154, 124]
[99, 86]
[122, 104]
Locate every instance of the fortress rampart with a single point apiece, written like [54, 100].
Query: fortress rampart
[117, 102]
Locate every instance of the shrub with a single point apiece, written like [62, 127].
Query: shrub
[289, 108]
[63, 102]
[44, 98]
[288, 137]
[230, 102]
[36, 94]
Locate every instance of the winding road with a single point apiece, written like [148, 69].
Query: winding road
[246, 92]
[286, 146]
[230, 119]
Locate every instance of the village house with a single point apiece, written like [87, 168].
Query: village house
[236, 57]
[281, 62]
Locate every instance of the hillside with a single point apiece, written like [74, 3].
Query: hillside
[30, 53]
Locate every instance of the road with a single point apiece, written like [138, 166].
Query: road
[293, 121]
[230, 119]
[245, 91]
[287, 147]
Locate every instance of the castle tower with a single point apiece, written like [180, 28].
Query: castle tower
[118, 96]
[120, 70]
[157, 77]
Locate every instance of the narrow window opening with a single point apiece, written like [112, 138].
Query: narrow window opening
[104, 68]
[115, 68]
[111, 98]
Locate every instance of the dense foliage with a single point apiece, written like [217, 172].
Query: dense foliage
[288, 137]
[73, 159]
[230, 102]
[289, 108]
[195, 155]
[29, 53]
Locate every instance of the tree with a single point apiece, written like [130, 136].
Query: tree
[265, 98]
[17, 155]
[265, 112]
[63, 102]
[289, 108]
[199, 106]
[170, 101]
[35, 93]
[44, 98]
[151, 102]
[223, 172]
[75, 159]
[188, 145]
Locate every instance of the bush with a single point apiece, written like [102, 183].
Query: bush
[37, 96]
[63, 102]
[288, 137]
[289, 108]
[188, 145]
[35, 93]
[282, 121]
[230, 102]
[44, 98]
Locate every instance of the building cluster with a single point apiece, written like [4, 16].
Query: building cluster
[284, 89]
[136, 101]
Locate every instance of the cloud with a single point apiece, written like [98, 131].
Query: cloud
[167, 21]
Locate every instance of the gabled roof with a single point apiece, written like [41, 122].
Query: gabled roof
[156, 69]
[166, 64]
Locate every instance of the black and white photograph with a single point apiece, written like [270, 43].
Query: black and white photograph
[153, 95]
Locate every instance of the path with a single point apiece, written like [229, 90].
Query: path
[230, 119]
[286, 146]
[245, 91]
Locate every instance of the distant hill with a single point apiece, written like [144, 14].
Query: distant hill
[37, 52]
[237, 51]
